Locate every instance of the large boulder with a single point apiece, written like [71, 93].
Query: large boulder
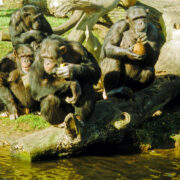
[169, 59]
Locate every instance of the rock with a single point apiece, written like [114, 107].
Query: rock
[169, 59]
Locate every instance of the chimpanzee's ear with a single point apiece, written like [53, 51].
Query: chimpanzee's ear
[63, 49]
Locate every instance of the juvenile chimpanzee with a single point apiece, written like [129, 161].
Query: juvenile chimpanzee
[28, 25]
[52, 91]
[14, 93]
[129, 53]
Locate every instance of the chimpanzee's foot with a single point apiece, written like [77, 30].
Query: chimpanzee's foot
[122, 92]
[13, 116]
[104, 95]
[73, 125]
[71, 100]
[4, 114]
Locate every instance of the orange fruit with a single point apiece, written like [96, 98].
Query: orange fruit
[139, 48]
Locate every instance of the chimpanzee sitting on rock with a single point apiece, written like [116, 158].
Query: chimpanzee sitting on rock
[129, 53]
[50, 83]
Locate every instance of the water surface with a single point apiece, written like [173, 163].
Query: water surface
[158, 164]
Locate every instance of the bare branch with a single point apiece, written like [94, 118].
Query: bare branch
[68, 24]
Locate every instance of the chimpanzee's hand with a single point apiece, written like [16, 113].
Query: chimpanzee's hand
[142, 37]
[134, 56]
[34, 45]
[13, 76]
[63, 72]
[68, 71]
[37, 35]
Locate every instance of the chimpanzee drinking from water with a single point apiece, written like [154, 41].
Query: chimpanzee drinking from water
[14, 92]
[28, 25]
[129, 52]
[48, 87]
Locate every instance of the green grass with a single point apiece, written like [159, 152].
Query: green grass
[5, 17]
[33, 121]
[25, 123]
[5, 46]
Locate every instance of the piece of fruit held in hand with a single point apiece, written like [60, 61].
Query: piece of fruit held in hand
[139, 48]
[62, 65]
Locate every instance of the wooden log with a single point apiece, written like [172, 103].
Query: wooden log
[4, 36]
[110, 122]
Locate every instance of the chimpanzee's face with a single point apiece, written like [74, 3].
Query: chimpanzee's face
[51, 56]
[49, 65]
[25, 58]
[32, 18]
[137, 19]
[26, 62]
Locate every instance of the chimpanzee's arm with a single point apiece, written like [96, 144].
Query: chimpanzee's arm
[81, 65]
[45, 26]
[111, 46]
[152, 45]
[27, 37]
[87, 70]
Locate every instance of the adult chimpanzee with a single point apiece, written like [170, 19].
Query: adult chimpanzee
[14, 93]
[28, 25]
[52, 91]
[129, 52]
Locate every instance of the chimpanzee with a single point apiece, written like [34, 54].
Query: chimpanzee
[28, 25]
[15, 94]
[51, 91]
[129, 53]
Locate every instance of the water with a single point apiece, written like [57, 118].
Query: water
[159, 164]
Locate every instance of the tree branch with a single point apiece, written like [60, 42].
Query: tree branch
[68, 24]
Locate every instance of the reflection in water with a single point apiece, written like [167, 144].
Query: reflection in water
[159, 164]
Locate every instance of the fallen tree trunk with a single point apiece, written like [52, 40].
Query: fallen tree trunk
[110, 122]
